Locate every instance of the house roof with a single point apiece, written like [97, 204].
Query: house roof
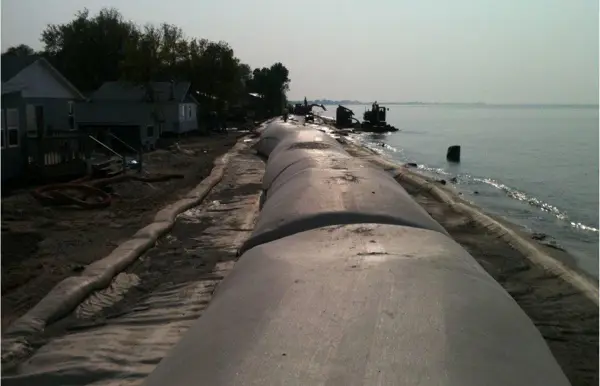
[14, 64]
[190, 99]
[128, 91]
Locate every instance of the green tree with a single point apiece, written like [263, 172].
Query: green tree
[20, 50]
[90, 50]
[272, 83]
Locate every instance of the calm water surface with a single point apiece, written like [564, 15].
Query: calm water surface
[537, 167]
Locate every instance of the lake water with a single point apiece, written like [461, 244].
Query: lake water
[535, 166]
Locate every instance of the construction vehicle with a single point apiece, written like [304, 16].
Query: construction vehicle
[374, 120]
[344, 117]
[304, 109]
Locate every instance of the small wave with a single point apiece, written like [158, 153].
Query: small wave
[516, 194]
[379, 147]
[382, 148]
[581, 226]
[535, 202]
[390, 148]
[433, 170]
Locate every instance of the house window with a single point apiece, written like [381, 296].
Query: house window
[2, 129]
[189, 109]
[182, 113]
[70, 104]
[12, 127]
[150, 131]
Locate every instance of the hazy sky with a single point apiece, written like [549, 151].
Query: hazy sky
[503, 51]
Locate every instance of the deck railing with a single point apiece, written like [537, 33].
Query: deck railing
[57, 154]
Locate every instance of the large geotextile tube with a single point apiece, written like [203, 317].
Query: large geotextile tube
[277, 133]
[315, 198]
[312, 182]
[302, 156]
[364, 304]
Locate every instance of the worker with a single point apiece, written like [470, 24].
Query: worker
[285, 115]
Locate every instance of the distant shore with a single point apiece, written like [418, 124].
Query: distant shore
[328, 102]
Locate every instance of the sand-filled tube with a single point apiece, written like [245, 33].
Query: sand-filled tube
[274, 133]
[361, 304]
[311, 182]
[316, 198]
[301, 158]
[276, 175]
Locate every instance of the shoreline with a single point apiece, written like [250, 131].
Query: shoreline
[544, 239]
[563, 306]
[562, 255]
[567, 239]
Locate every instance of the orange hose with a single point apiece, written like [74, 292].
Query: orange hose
[53, 195]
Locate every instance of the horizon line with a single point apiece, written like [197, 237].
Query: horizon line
[455, 103]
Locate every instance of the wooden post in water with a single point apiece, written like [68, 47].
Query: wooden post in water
[453, 153]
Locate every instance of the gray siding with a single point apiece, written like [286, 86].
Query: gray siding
[139, 114]
[56, 113]
[171, 124]
[119, 113]
[176, 121]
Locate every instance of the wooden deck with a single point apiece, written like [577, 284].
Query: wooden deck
[58, 155]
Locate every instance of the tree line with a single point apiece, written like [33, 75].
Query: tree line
[90, 50]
